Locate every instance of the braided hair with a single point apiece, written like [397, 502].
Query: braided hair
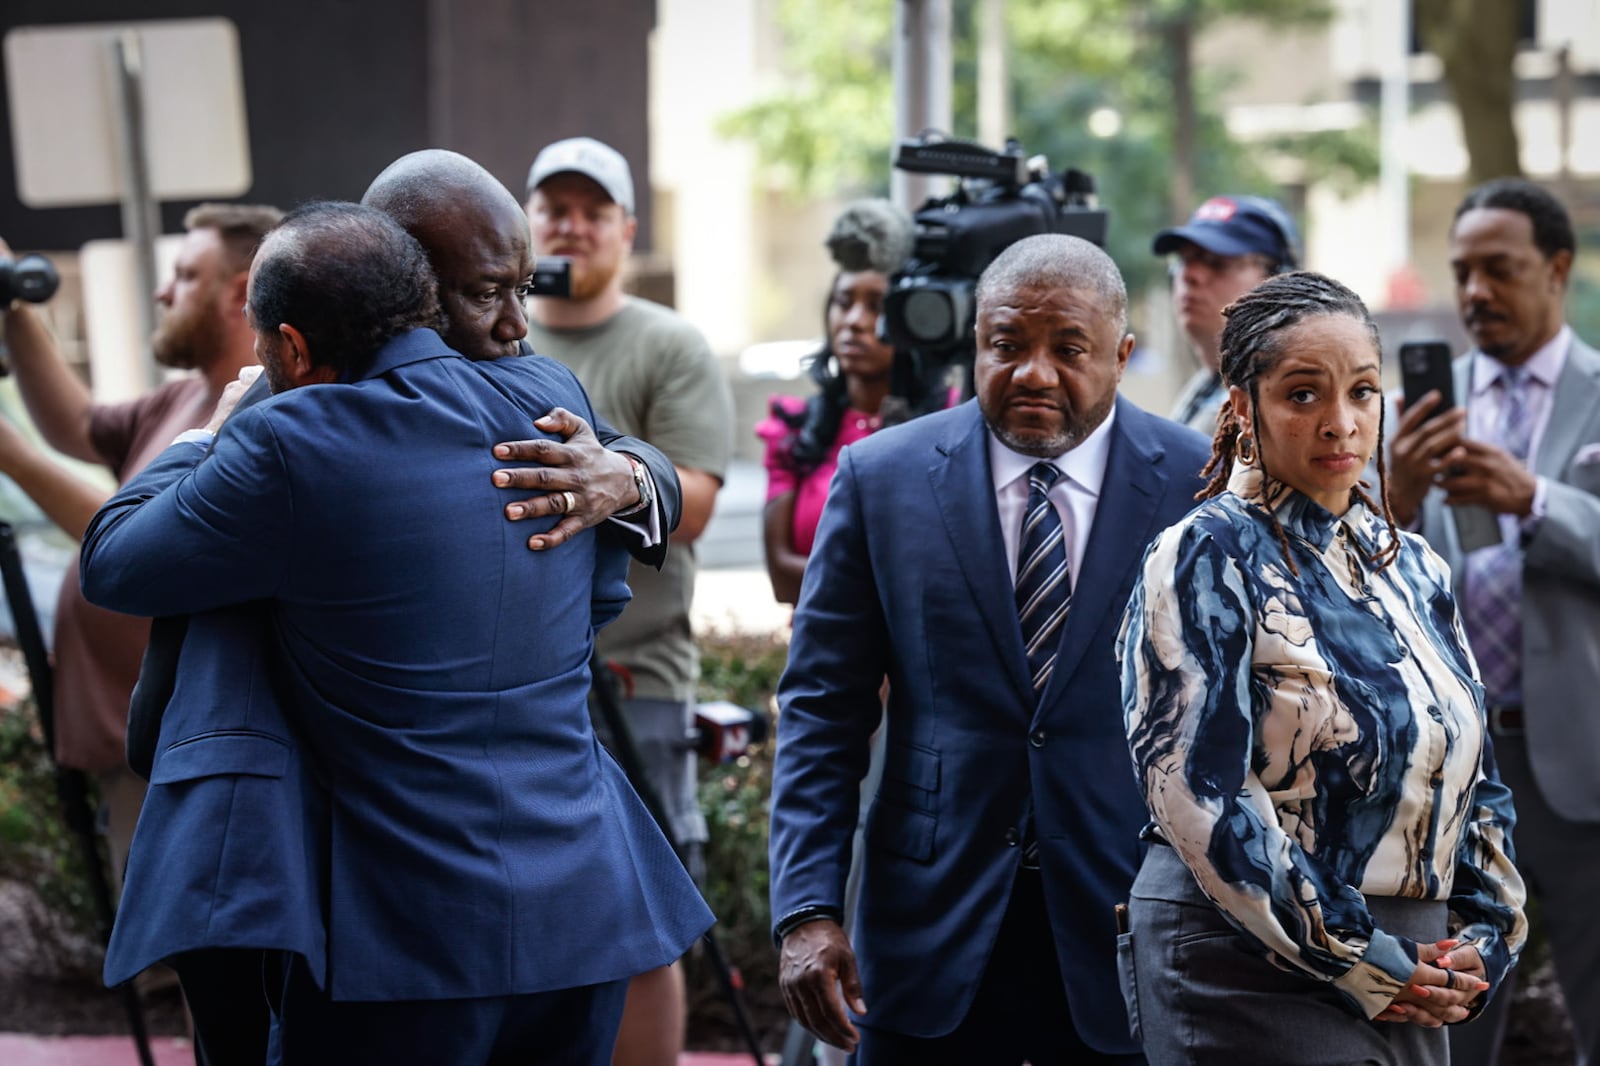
[1253, 342]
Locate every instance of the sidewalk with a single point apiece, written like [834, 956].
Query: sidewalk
[20, 1050]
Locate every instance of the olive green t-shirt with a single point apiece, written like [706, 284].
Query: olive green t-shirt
[651, 375]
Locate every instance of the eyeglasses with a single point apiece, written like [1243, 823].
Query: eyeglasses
[1212, 263]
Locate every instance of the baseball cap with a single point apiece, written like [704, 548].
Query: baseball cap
[599, 162]
[1237, 225]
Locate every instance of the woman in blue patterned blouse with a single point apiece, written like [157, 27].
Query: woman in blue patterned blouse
[1331, 879]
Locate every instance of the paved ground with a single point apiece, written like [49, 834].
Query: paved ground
[16, 1050]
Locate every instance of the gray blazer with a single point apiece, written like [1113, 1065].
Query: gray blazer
[1560, 591]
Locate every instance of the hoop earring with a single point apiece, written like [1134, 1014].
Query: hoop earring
[1245, 448]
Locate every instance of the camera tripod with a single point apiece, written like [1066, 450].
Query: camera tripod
[72, 787]
[603, 698]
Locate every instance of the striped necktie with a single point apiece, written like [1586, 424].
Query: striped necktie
[1043, 590]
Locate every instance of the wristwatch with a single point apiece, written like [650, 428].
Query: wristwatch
[641, 481]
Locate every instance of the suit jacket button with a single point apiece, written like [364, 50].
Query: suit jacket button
[1036, 738]
[1013, 838]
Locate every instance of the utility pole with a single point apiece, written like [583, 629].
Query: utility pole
[994, 97]
[921, 86]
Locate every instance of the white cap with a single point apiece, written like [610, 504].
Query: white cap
[601, 163]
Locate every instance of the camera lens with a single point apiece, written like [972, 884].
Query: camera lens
[929, 316]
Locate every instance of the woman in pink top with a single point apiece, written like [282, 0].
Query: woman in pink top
[862, 385]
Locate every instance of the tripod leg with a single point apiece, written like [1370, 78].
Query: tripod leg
[71, 786]
[626, 752]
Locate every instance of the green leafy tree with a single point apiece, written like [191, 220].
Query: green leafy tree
[827, 129]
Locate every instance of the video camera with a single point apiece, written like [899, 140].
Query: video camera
[30, 278]
[1001, 198]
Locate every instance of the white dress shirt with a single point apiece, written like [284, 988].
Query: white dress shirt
[1075, 495]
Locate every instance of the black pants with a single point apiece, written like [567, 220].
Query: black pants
[1019, 1013]
[567, 1027]
[227, 999]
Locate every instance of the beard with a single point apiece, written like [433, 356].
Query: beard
[590, 281]
[186, 339]
[1043, 443]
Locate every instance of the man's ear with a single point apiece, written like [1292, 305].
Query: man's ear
[297, 364]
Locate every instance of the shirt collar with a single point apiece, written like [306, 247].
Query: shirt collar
[1543, 366]
[1299, 514]
[1085, 465]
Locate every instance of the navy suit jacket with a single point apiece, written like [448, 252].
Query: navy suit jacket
[478, 840]
[908, 579]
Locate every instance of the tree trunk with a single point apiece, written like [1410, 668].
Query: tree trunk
[1177, 41]
[1476, 40]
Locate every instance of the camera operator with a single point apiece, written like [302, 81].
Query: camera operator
[651, 375]
[1230, 245]
[97, 652]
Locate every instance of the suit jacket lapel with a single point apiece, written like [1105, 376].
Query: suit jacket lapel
[1134, 484]
[963, 489]
[1577, 395]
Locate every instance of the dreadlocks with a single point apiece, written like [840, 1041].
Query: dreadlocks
[1254, 338]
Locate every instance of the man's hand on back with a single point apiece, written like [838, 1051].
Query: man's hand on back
[580, 480]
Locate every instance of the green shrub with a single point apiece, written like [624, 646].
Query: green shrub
[742, 669]
[36, 845]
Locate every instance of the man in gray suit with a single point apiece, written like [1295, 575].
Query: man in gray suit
[1506, 486]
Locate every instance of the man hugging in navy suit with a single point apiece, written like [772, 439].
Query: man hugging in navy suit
[491, 879]
[981, 559]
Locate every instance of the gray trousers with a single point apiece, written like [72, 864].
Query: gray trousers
[1201, 994]
[1560, 861]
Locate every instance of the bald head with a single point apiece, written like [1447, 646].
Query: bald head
[1052, 340]
[476, 237]
[1055, 260]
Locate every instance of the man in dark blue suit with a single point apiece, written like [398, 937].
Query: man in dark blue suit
[186, 907]
[491, 878]
[1006, 828]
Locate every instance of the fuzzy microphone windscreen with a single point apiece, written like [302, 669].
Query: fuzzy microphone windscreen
[871, 235]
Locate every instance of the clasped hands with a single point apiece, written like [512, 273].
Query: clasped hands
[1448, 979]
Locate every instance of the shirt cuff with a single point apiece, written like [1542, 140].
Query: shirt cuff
[645, 524]
[1529, 524]
[796, 918]
[195, 436]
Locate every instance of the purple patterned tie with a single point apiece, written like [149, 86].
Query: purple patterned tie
[1492, 609]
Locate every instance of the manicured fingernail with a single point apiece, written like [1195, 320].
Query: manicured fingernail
[515, 510]
[1421, 990]
[501, 478]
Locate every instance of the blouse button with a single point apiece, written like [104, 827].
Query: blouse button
[1012, 837]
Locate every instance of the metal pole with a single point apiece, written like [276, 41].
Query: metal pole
[921, 86]
[1394, 105]
[994, 98]
[140, 219]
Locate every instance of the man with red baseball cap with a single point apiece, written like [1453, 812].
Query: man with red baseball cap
[1229, 246]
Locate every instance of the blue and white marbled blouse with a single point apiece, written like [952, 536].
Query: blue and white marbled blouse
[1305, 741]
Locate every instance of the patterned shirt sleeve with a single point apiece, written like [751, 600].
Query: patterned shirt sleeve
[1188, 688]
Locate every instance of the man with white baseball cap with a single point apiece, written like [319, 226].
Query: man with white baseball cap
[652, 375]
[1229, 246]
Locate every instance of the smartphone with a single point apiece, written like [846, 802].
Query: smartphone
[1424, 366]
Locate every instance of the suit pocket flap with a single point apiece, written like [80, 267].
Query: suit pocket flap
[912, 765]
[903, 832]
[233, 752]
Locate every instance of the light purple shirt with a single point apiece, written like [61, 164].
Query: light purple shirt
[1486, 414]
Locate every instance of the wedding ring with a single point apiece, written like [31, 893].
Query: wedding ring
[568, 501]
